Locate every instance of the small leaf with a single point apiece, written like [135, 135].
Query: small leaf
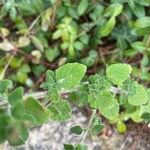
[82, 7]
[4, 31]
[23, 41]
[121, 127]
[46, 20]
[70, 75]
[99, 83]
[138, 46]
[106, 104]
[81, 147]
[107, 28]
[52, 54]
[78, 45]
[68, 147]
[35, 108]
[97, 128]
[57, 34]
[118, 73]
[15, 98]
[16, 62]
[13, 13]
[18, 134]
[60, 111]
[6, 45]
[21, 77]
[136, 116]
[5, 121]
[146, 116]
[37, 43]
[142, 22]
[142, 25]
[77, 130]
[50, 80]
[139, 96]
[71, 51]
[113, 10]
[37, 56]
[5, 85]
[138, 11]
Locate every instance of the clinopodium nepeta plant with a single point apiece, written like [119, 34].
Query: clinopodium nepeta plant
[115, 95]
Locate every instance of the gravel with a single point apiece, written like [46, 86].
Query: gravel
[53, 135]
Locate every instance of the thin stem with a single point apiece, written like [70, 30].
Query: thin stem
[148, 42]
[36, 95]
[6, 66]
[34, 22]
[89, 125]
[92, 26]
[43, 94]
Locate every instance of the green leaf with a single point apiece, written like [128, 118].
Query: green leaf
[35, 108]
[6, 45]
[146, 116]
[84, 39]
[82, 7]
[113, 10]
[142, 25]
[136, 116]
[18, 134]
[107, 28]
[16, 62]
[90, 59]
[50, 80]
[21, 77]
[80, 97]
[139, 96]
[57, 34]
[52, 86]
[5, 128]
[30, 7]
[138, 46]
[51, 54]
[118, 73]
[77, 130]
[23, 41]
[142, 22]
[106, 104]
[97, 12]
[37, 43]
[60, 111]
[146, 107]
[78, 45]
[121, 127]
[99, 83]
[5, 85]
[68, 147]
[81, 147]
[15, 98]
[138, 10]
[97, 128]
[70, 75]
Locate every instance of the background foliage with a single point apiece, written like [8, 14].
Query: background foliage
[37, 35]
[48, 33]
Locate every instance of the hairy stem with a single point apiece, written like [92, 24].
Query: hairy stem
[37, 95]
[89, 125]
